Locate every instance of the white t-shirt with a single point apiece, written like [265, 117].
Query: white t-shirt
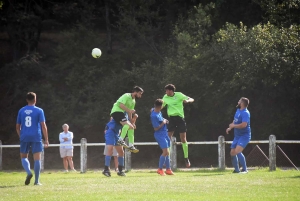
[68, 135]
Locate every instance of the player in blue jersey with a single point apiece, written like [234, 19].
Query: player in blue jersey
[30, 125]
[161, 136]
[112, 131]
[242, 135]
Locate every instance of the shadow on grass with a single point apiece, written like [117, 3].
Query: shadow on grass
[7, 186]
[296, 177]
[207, 175]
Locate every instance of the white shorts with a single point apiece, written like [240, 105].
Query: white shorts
[65, 152]
[115, 153]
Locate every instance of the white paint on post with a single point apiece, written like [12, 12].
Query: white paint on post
[173, 153]
[221, 152]
[0, 155]
[272, 153]
[127, 157]
[42, 160]
[83, 155]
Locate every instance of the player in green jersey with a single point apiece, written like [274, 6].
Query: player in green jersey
[174, 101]
[125, 105]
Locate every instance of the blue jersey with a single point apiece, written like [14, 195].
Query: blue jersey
[30, 117]
[239, 117]
[114, 126]
[156, 120]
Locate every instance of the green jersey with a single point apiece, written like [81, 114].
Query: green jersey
[127, 100]
[175, 104]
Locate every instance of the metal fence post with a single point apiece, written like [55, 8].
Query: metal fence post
[42, 160]
[221, 152]
[83, 155]
[173, 153]
[0, 155]
[272, 153]
[127, 157]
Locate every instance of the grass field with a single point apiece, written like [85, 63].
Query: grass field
[147, 185]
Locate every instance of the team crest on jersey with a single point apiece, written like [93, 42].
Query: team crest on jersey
[28, 112]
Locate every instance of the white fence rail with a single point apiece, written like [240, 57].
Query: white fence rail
[173, 151]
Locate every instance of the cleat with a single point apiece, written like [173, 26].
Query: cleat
[38, 184]
[116, 170]
[106, 173]
[133, 149]
[169, 172]
[161, 172]
[73, 170]
[244, 171]
[235, 171]
[187, 162]
[65, 170]
[121, 173]
[122, 143]
[28, 178]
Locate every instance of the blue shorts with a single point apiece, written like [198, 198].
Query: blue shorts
[111, 137]
[240, 141]
[162, 139]
[35, 147]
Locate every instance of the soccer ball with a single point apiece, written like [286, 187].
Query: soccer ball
[96, 53]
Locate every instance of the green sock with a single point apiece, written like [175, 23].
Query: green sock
[124, 131]
[185, 150]
[131, 136]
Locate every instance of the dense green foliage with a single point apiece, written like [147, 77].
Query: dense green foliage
[215, 52]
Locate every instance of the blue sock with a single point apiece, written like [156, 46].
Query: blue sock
[107, 161]
[242, 160]
[26, 165]
[162, 160]
[235, 164]
[37, 170]
[167, 162]
[121, 161]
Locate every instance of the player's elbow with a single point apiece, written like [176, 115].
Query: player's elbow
[244, 124]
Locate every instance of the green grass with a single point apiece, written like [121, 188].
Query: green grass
[147, 185]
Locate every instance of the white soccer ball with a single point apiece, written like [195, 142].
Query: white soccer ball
[96, 53]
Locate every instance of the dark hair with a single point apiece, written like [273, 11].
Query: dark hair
[30, 96]
[158, 102]
[137, 89]
[245, 101]
[170, 87]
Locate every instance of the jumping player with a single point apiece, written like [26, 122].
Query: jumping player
[126, 103]
[30, 125]
[242, 135]
[161, 136]
[174, 101]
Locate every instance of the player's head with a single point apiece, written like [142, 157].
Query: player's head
[158, 104]
[170, 89]
[137, 92]
[31, 98]
[65, 127]
[243, 103]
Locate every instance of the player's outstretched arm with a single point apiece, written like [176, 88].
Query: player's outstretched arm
[189, 100]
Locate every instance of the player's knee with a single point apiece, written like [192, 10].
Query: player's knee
[233, 152]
